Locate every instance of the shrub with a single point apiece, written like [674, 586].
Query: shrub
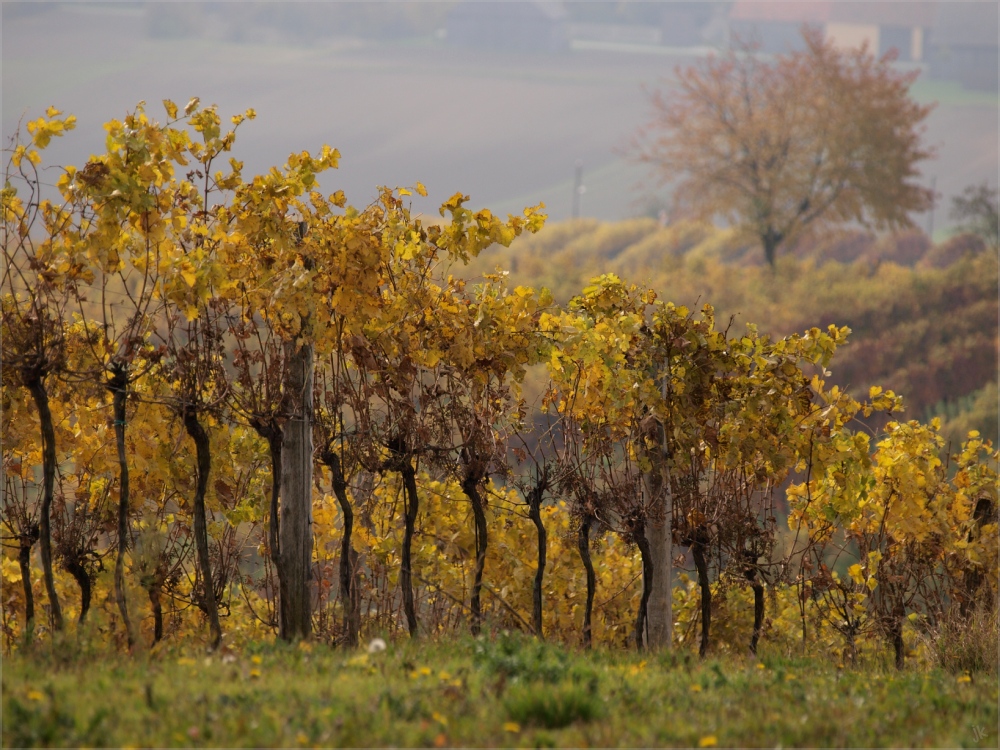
[553, 706]
[967, 645]
[516, 657]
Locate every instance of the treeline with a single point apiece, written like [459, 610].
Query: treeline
[250, 403]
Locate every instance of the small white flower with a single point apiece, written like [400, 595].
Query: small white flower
[376, 645]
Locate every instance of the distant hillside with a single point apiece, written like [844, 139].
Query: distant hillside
[923, 316]
[505, 128]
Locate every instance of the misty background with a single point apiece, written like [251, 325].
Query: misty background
[509, 102]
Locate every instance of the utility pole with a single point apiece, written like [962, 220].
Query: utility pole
[578, 189]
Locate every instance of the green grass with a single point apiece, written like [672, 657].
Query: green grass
[951, 93]
[504, 692]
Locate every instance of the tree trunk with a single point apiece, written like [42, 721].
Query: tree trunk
[657, 532]
[648, 578]
[274, 448]
[852, 646]
[348, 594]
[295, 527]
[271, 432]
[118, 385]
[972, 580]
[657, 535]
[410, 507]
[583, 545]
[24, 560]
[75, 568]
[157, 607]
[897, 644]
[771, 239]
[896, 635]
[758, 614]
[758, 599]
[802, 600]
[470, 486]
[701, 563]
[204, 457]
[41, 397]
[535, 514]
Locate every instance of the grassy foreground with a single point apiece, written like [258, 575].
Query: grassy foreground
[510, 691]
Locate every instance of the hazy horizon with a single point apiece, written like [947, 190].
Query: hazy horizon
[401, 104]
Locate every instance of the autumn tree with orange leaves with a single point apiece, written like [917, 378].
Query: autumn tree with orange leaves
[782, 146]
